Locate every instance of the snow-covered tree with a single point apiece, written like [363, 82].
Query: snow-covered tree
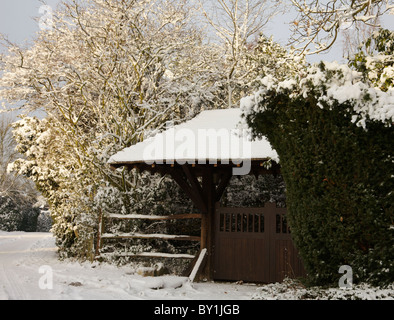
[106, 75]
[12, 186]
[17, 194]
[237, 26]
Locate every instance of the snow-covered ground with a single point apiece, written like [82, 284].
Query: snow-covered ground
[28, 263]
[29, 269]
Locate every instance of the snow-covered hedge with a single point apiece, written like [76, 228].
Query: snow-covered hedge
[330, 83]
[332, 129]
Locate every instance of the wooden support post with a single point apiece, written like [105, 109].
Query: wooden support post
[204, 231]
[207, 221]
[224, 181]
[194, 183]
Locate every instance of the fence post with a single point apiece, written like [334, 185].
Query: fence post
[100, 230]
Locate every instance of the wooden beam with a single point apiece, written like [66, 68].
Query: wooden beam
[207, 221]
[151, 255]
[198, 266]
[100, 231]
[194, 183]
[179, 177]
[224, 181]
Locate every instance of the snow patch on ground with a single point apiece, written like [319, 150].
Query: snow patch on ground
[293, 290]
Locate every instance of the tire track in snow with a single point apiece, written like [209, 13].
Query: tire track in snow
[13, 286]
[16, 258]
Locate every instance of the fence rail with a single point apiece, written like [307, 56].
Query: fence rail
[101, 236]
[149, 236]
[152, 217]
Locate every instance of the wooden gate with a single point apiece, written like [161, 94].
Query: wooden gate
[254, 244]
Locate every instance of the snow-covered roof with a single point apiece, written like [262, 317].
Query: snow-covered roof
[212, 136]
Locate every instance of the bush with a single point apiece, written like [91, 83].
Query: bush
[15, 217]
[336, 159]
[249, 191]
[44, 221]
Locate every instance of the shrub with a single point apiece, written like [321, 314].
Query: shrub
[332, 131]
[17, 217]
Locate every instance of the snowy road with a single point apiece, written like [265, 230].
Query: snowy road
[29, 269]
[21, 255]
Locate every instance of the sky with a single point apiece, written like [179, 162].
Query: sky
[17, 18]
[17, 22]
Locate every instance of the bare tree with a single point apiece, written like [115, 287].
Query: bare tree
[237, 21]
[355, 35]
[319, 22]
[236, 24]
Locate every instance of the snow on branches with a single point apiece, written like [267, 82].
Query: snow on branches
[106, 75]
[328, 83]
[319, 21]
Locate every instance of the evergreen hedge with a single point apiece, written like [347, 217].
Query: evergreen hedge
[339, 182]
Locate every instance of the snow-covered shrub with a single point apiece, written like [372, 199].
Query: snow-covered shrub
[375, 59]
[10, 218]
[44, 221]
[29, 219]
[332, 129]
[66, 183]
[16, 216]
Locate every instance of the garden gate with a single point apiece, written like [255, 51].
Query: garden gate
[254, 244]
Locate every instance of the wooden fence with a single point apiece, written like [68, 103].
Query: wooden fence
[102, 235]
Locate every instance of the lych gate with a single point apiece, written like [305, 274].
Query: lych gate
[249, 244]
